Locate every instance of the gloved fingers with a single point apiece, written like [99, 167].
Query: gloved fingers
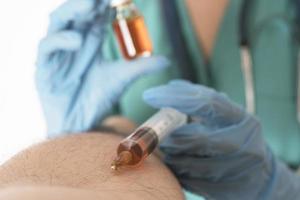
[197, 101]
[202, 141]
[88, 55]
[195, 140]
[183, 96]
[73, 48]
[117, 76]
[190, 139]
[212, 168]
[112, 80]
[62, 41]
[68, 12]
[179, 95]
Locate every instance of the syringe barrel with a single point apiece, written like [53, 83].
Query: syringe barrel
[142, 142]
[165, 121]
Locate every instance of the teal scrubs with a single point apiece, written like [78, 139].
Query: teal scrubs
[272, 35]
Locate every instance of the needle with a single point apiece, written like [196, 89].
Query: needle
[123, 158]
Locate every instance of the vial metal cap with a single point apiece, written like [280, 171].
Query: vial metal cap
[116, 3]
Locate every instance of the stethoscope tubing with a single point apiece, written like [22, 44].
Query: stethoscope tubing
[297, 5]
[247, 70]
[247, 60]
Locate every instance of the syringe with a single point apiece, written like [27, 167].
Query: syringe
[142, 142]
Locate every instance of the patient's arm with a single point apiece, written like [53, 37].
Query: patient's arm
[81, 164]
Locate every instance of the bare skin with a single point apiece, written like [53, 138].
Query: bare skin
[206, 16]
[78, 167]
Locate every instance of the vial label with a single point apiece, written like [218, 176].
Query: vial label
[128, 40]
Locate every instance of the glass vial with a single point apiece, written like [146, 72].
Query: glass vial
[130, 30]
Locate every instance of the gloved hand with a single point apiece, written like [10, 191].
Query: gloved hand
[221, 154]
[76, 86]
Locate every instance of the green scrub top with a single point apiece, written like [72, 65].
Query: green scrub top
[273, 46]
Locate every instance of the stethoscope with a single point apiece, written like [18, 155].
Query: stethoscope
[172, 22]
[246, 60]
[297, 3]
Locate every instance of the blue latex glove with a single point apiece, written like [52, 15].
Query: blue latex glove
[221, 154]
[76, 86]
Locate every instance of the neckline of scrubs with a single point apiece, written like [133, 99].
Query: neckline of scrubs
[196, 47]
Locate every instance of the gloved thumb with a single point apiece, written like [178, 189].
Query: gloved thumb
[200, 102]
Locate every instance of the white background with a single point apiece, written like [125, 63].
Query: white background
[22, 25]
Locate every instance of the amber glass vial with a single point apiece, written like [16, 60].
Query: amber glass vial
[142, 142]
[130, 30]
